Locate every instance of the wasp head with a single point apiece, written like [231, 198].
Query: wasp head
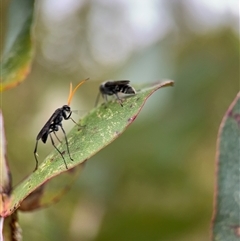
[66, 108]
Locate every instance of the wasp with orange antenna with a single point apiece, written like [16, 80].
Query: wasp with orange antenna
[53, 124]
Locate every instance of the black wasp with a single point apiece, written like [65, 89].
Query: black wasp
[53, 124]
[115, 87]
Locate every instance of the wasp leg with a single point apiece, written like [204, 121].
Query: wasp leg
[56, 136]
[66, 142]
[96, 102]
[58, 150]
[35, 155]
[120, 100]
[77, 123]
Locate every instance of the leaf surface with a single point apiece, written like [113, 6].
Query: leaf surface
[226, 220]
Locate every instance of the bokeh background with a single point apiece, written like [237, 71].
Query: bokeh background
[156, 181]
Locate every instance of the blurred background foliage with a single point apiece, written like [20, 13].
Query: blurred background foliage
[156, 181]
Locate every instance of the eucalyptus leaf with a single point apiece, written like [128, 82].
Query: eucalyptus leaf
[226, 220]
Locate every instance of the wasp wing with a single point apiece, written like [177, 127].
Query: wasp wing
[43, 133]
[116, 82]
[121, 86]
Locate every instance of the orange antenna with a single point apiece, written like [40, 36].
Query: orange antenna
[72, 92]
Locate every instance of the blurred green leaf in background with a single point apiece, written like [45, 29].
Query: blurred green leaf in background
[156, 181]
[18, 50]
[226, 219]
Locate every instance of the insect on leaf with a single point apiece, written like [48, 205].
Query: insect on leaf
[101, 127]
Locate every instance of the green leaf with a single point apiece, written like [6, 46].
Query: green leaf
[226, 220]
[18, 51]
[101, 126]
